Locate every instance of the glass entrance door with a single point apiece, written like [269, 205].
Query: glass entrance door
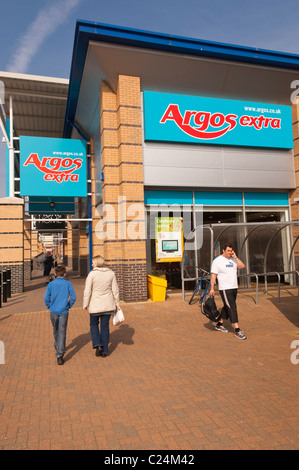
[268, 250]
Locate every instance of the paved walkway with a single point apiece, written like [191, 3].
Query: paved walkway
[171, 382]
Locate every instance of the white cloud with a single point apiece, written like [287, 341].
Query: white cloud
[46, 22]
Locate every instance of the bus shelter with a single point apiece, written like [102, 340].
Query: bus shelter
[267, 250]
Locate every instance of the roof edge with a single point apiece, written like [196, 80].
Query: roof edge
[37, 78]
[89, 30]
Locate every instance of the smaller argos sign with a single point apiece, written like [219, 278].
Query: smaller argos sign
[180, 118]
[56, 166]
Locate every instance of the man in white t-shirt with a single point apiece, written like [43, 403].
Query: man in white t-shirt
[225, 268]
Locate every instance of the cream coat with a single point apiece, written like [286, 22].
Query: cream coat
[101, 292]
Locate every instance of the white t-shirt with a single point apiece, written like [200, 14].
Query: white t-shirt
[226, 270]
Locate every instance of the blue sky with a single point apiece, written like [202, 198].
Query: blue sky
[37, 37]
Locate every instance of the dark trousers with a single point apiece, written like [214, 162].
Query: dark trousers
[229, 310]
[100, 337]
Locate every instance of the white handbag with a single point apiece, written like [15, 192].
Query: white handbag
[118, 317]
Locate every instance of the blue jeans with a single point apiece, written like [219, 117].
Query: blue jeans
[59, 323]
[100, 337]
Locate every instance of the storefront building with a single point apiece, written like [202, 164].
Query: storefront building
[181, 131]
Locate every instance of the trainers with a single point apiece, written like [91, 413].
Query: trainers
[240, 335]
[60, 361]
[220, 327]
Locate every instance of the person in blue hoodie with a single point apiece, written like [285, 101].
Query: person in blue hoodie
[59, 298]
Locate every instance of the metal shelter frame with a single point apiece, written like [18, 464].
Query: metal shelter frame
[196, 245]
[59, 233]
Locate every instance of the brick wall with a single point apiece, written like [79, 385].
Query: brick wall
[12, 240]
[27, 249]
[97, 242]
[122, 166]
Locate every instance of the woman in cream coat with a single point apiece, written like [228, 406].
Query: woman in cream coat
[101, 297]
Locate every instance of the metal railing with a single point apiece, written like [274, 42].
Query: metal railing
[249, 275]
[265, 275]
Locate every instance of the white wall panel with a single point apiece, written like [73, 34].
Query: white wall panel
[215, 166]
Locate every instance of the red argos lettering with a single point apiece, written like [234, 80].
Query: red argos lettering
[56, 168]
[203, 120]
[208, 125]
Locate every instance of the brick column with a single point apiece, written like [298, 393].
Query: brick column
[82, 240]
[12, 240]
[295, 193]
[36, 246]
[83, 268]
[122, 166]
[27, 249]
[97, 241]
[68, 245]
[75, 247]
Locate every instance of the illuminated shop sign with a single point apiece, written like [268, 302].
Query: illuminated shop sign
[52, 167]
[180, 118]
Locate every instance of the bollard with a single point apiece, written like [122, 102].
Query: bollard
[4, 286]
[8, 281]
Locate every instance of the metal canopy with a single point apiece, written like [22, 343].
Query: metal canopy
[39, 103]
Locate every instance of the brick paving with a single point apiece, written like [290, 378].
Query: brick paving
[170, 382]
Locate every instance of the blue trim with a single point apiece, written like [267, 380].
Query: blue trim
[87, 31]
[215, 198]
[89, 212]
[168, 197]
[41, 204]
[266, 199]
[218, 198]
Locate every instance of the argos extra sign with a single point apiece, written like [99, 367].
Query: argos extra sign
[193, 119]
[52, 167]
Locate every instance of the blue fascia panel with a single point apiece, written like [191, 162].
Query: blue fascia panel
[266, 199]
[215, 198]
[168, 197]
[87, 30]
[41, 205]
[218, 198]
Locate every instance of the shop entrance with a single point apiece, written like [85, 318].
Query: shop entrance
[265, 247]
[169, 270]
[258, 242]
[226, 224]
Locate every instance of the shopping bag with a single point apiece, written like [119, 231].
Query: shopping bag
[118, 317]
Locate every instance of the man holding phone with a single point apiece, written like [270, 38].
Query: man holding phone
[225, 268]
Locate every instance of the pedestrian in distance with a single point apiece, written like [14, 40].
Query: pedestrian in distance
[48, 265]
[59, 298]
[225, 268]
[101, 297]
